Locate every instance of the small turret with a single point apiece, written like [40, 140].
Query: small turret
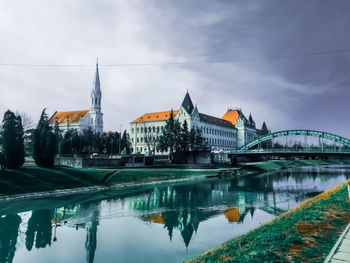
[187, 103]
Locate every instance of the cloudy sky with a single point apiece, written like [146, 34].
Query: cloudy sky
[286, 62]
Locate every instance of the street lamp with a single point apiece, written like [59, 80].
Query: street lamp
[120, 140]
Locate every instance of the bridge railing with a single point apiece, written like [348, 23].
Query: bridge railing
[272, 151]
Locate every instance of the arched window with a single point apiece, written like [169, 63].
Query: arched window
[95, 100]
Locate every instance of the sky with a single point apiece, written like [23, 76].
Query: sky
[285, 62]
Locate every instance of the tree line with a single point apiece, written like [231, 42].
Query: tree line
[44, 142]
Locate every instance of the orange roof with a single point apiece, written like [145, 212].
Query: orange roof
[232, 214]
[231, 116]
[155, 116]
[155, 218]
[70, 116]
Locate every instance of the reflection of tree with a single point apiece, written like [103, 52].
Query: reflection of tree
[39, 228]
[9, 226]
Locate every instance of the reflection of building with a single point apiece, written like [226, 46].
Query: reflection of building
[62, 214]
[83, 119]
[227, 133]
[186, 206]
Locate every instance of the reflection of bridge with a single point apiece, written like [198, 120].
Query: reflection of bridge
[254, 147]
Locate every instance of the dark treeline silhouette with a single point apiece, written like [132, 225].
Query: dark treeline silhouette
[87, 142]
[12, 137]
[44, 142]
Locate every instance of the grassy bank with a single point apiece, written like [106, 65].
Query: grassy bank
[306, 233]
[36, 179]
[158, 174]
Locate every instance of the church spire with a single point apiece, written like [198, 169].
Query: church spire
[97, 86]
[96, 94]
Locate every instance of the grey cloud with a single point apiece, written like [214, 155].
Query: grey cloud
[307, 91]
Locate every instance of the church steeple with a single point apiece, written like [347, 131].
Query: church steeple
[96, 94]
[96, 115]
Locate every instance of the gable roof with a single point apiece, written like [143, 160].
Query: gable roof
[216, 121]
[187, 103]
[70, 116]
[155, 116]
[231, 116]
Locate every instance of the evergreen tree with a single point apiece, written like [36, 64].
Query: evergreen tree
[125, 143]
[44, 143]
[199, 143]
[170, 138]
[13, 140]
[185, 137]
[19, 141]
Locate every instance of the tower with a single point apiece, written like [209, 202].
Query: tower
[96, 116]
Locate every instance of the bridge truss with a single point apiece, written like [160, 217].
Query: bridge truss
[319, 134]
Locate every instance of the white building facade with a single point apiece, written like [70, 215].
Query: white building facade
[83, 119]
[228, 133]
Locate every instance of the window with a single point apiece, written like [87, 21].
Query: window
[132, 130]
[140, 149]
[149, 129]
[141, 129]
[95, 100]
[158, 129]
[154, 129]
[137, 130]
[137, 140]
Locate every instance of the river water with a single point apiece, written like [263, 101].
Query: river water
[168, 223]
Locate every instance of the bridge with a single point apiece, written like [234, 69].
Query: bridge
[253, 148]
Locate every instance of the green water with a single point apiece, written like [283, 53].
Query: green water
[169, 223]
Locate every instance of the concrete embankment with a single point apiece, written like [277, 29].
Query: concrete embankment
[306, 233]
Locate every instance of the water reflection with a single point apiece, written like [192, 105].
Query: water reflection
[179, 210]
[9, 226]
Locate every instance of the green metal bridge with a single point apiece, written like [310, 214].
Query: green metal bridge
[246, 149]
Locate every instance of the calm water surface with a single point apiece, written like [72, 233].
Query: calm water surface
[170, 223]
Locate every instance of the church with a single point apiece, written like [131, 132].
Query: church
[81, 120]
[230, 132]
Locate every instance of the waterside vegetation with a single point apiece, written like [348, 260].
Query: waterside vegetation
[306, 233]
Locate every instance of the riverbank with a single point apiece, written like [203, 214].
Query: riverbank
[32, 179]
[38, 180]
[306, 233]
